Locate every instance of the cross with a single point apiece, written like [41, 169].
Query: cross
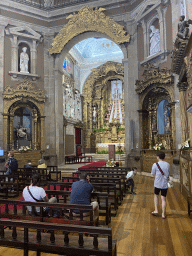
[116, 83]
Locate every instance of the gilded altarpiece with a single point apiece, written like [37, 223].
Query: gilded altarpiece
[185, 93]
[103, 108]
[23, 121]
[157, 114]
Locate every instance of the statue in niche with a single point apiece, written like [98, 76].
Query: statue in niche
[22, 132]
[183, 27]
[94, 114]
[167, 121]
[154, 40]
[24, 59]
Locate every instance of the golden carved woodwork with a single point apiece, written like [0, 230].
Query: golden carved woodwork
[89, 19]
[24, 95]
[96, 93]
[155, 86]
[154, 75]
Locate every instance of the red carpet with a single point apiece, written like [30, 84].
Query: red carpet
[93, 164]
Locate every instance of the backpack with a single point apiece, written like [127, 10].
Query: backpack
[13, 165]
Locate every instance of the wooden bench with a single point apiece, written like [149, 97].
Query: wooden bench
[9, 186]
[55, 175]
[108, 174]
[189, 203]
[15, 209]
[104, 207]
[57, 238]
[110, 188]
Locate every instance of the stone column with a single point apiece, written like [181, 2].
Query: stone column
[33, 57]
[162, 27]
[183, 109]
[2, 139]
[14, 57]
[146, 39]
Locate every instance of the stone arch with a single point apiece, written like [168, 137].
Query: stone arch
[89, 19]
[25, 95]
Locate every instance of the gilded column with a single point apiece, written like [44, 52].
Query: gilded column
[173, 128]
[11, 133]
[141, 126]
[35, 131]
[150, 125]
[42, 127]
[5, 131]
[183, 108]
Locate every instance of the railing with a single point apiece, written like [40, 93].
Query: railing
[50, 4]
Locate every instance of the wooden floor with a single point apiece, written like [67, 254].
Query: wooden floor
[139, 233]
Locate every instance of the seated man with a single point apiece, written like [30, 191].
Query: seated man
[81, 194]
[33, 193]
[42, 164]
[130, 181]
[28, 165]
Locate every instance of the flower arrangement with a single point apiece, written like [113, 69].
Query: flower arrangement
[24, 148]
[110, 163]
[159, 147]
[185, 144]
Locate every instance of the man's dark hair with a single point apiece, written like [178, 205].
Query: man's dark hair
[35, 179]
[83, 176]
[134, 168]
[28, 161]
[161, 155]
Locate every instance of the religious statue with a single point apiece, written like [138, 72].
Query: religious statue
[24, 59]
[154, 40]
[22, 132]
[183, 27]
[94, 114]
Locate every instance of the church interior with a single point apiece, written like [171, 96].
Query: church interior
[86, 81]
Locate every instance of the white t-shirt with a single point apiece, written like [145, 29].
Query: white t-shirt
[130, 175]
[37, 192]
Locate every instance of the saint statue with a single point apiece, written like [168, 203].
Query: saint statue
[94, 114]
[22, 132]
[183, 27]
[24, 59]
[154, 40]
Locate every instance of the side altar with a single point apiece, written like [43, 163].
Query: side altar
[149, 157]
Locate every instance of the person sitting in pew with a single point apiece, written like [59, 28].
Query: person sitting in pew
[130, 181]
[28, 165]
[81, 194]
[33, 193]
[42, 164]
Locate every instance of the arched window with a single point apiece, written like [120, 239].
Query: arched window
[164, 117]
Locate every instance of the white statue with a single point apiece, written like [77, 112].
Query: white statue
[154, 40]
[22, 132]
[24, 59]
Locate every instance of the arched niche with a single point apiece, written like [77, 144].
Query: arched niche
[24, 100]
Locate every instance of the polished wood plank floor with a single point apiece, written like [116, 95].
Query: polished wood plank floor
[138, 233]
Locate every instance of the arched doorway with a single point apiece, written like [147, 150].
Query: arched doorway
[96, 24]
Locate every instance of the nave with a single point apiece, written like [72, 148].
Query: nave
[138, 233]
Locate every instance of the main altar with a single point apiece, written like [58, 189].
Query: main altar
[103, 111]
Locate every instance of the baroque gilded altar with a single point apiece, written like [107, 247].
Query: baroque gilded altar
[103, 111]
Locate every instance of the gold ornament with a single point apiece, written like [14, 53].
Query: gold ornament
[88, 19]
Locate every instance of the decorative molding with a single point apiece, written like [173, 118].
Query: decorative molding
[182, 86]
[25, 89]
[89, 19]
[153, 75]
[24, 32]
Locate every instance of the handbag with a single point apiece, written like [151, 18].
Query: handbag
[169, 183]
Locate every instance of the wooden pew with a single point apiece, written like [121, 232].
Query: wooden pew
[110, 188]
[104, 207]
[57, 238]
[19, 211]
[55, 175]
[9, 186]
